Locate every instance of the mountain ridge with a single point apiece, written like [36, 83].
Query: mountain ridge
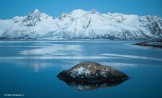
[80, 24]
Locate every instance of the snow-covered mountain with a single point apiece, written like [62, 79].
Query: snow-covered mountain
[80, 24]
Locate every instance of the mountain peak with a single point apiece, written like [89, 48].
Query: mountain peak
[93, 11]
[78, 13]
[80, 24]
[36, 11]
[32, 19]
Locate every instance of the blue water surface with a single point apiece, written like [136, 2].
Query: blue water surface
[30, 68]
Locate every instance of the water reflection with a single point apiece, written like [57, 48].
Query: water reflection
[119, 64]
[84, 86]
[54, 49]
[132, 56]
[38, 63]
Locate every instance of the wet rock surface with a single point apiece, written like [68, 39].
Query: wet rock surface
[88, 75]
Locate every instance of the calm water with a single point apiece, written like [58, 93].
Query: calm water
[30, 68]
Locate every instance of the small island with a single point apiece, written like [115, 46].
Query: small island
[155, 44]
[91, 73]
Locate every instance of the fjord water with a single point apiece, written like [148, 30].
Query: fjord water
[31, 67]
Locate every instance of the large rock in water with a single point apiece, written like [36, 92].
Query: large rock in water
[92, 73]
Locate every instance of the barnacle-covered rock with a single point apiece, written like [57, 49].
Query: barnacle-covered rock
[92, 73]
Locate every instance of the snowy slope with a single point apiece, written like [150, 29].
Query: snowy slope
[80, 24]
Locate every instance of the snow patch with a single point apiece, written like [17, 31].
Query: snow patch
[80, 71]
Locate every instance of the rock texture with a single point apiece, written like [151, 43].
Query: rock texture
[89, 73]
